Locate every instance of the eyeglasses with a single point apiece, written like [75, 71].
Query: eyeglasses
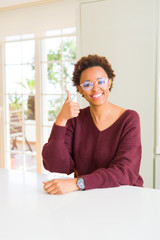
[88, 85]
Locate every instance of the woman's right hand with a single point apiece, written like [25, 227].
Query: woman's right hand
[69, 110]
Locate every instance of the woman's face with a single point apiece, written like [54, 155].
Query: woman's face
[97, 95]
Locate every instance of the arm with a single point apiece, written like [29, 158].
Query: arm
[124, 168]
[57, 157]
[57, 153]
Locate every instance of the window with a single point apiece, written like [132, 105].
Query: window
[19, 95]
[54, 58]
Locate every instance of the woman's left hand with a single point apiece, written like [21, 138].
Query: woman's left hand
[60, 186]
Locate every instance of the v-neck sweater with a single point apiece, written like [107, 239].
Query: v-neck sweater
[107, 158]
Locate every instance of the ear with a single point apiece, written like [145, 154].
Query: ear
[80, 90]
[109, 83]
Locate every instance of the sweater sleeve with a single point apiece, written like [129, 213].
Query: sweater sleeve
[124, 168]
[57, 153]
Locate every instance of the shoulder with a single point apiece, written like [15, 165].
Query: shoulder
[124, 114]
[132, 115]
[131, 128]
[130, 121]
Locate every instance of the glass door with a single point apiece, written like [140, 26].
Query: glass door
[37, 74]
[20, 92]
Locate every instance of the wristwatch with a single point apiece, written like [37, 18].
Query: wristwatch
[80, 183]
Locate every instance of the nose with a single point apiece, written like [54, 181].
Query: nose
[95, 87]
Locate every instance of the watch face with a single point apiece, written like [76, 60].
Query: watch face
[80, 183]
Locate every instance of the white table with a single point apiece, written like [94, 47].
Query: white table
[27, 212]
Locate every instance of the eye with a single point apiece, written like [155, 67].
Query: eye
[101, 81]
[86, 84]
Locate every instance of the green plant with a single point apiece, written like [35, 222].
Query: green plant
[55, 106]
[69, 48]
[69, 52]
[15, 102]
[29, 84]
[54, 58]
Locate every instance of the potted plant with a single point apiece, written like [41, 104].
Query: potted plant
[30, 84]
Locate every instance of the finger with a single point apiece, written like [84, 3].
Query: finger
[68, 97]
[74, 104]
[58, 193]
[76, 113]
[50, 189]
[48, 184]
[75, 108]
[54, 191]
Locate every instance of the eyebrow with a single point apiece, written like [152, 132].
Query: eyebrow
[96, 79]
[102, 77]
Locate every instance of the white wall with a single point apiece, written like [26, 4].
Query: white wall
[125, 32]
[37, 19]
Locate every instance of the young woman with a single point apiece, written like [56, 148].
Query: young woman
[100, 143]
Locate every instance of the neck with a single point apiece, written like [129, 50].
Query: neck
[98, 113]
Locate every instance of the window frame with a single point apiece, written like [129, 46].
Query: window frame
[38, 100]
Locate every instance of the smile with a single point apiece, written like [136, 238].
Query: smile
[97, 95]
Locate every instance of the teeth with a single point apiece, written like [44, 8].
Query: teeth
[98, 95]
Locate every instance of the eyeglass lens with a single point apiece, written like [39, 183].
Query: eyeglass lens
[88, 85]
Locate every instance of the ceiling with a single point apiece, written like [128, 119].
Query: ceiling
[11, 3]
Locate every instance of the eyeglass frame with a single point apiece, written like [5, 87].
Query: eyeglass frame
[106, 80]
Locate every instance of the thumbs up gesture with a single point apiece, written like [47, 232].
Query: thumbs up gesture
[69, 110]
[68, 99]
